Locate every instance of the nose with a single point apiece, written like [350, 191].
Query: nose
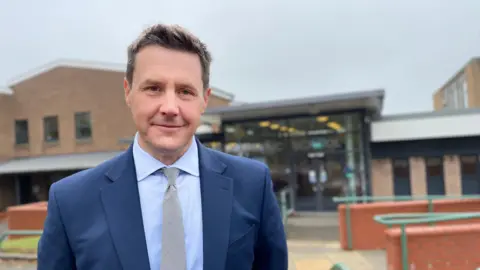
[169, 105]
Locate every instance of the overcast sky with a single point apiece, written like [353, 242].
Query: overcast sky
[265, 49]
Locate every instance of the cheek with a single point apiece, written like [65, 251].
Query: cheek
[191, 114]
[144, 111]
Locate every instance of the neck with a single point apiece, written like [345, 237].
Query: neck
[166, 157]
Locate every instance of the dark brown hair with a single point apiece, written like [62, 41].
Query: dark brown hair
[171, 37]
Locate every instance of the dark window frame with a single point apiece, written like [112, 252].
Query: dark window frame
[26, 136]
[51, 122]
[83, 120]
[469, 165]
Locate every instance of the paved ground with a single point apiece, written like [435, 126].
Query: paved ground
[313, 245]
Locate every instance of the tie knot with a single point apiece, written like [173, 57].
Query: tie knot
[171, 174]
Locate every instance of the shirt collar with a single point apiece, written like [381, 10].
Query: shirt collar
[146, 164]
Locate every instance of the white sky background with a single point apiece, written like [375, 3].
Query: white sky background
[264, 49]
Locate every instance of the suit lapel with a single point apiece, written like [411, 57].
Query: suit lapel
[121, 202]
[217, 199]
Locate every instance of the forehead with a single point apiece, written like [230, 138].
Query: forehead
[158, 63]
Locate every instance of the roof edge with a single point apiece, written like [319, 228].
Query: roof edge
[5, 90]
[375, 93]
[428, 114]
[96, 65]
[456, 74]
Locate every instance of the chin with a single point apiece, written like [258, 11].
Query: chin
[168, 144]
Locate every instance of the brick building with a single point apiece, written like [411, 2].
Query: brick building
[462, 90]
[61, 118]
[426, 153]
[319, 145]
[67, 117]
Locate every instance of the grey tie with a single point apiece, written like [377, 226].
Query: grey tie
[173, 243]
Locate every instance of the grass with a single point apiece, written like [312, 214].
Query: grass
[20, 245]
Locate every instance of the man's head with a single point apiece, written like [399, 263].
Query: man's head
[167, 88]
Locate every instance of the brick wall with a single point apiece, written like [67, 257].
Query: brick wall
[6, 134]
[438, 100]
[418, 176]
[62, 92]
[441, 247]
[368, 234]
[382, 177]
[453, 175]
[472, 74]
[27, 217]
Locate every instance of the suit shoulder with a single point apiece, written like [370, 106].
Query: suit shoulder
[85, 178]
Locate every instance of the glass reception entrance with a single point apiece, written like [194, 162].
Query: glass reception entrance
[319, 156]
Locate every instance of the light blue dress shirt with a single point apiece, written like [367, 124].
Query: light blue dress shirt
[152, 189]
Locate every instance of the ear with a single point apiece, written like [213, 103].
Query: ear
[127, 89]
[206, 97]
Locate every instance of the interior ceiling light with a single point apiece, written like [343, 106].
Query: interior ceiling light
[264, 124]
[274, 126]
[322, 119]
[335, 126]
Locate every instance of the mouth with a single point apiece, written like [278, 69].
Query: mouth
[168, 127]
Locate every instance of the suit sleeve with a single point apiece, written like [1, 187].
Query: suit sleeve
[271, 252]
[54, 252]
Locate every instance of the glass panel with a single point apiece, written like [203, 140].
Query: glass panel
[434, 166]
[469, 164]
[50, 128]
[214, 145]
[83, 129]
[316, 155]
[21, 131]
[265, 141]
[401, 168]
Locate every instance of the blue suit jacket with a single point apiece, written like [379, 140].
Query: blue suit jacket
[94, 218]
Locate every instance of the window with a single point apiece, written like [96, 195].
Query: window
[50, 128]
[469, 165]
[83, 126]
[434, 166]
[455, 94]
[21, 131]
[401, 168]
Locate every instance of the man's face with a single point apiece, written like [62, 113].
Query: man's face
[166, 98]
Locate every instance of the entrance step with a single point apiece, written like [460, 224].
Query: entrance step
[317, 226]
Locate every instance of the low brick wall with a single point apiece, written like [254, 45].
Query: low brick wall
[440, 247]
[3, 216]
[368, 234]
[27, 216]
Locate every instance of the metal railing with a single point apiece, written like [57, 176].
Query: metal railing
[286, 201]
[368, 199]
[405, 219]
[8, 233]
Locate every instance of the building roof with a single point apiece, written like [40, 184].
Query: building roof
[427, 125]
[457, 73]
[115, 67]
[370, 100]
[55, 163]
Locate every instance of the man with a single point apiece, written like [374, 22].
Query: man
[168, 202]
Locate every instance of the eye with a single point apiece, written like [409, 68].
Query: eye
[153, 88]
[185, 92]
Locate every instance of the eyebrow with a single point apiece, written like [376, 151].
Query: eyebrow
[186, 85]
[150, 81]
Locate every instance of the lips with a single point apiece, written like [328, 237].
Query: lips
[167, 128]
